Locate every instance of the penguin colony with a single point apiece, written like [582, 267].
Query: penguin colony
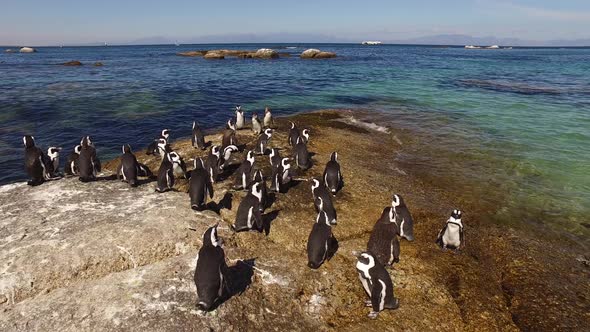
[383, 247]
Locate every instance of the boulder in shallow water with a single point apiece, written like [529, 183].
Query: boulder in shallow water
[314, 53]
[9, 50]
[98, 64]
[266, 53]
[73, 63]
[27, 50]
[192, 53]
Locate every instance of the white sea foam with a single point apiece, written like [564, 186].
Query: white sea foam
[363, 124]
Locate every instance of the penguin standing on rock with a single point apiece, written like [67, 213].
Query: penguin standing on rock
[332, 176]
[323, 200]
[403, 218]
[451, 235]
[224, 162]
[305, 135]
[259, 178]
[34, 161]
[130, 168]
[256, 125]
[268, 120]
[377, 284]
[275, 158]
[263, 140]
[281, 176]
[170, 162]
[88, 162]
[197, 138]
[229, 135]
[211, 271]
[321, 242]
[200, 186]
[293, 134]
[212, 163]
[249, 216]
[240, 122]
[383, 241]
[301, 154]
[244, 173]
[155, 146]
[71, 167]
[52, 163]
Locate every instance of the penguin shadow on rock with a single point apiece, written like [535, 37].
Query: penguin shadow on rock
[228, 171]
[224, 203]
[238, 279]
[267, 220]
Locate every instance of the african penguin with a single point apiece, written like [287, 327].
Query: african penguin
[211, 270]
[71, 167]
[451, 235]
[403, 218]
[88, 162]
[166, 172]
[293, 134]
[155, 146]
[200, 186]
[212, 163]
[321, 242]
[268, 121]
[239, 117]
[53, 163]
[302, 158]
[229, 138]
[224, 162]
[129, 168]
[323, 200]
[332, 176]
[244, 172]
[259, 178]
[249, 216]
[383, 241]
[197, 138]
[377, 284]
[281, 176]
[263, 140]
[35, 161]
[274, 158]
[305, 135]
[256, 125]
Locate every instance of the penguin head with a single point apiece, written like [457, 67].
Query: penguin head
[199, 164]
[388, 215]
[334, 156]
[273, 152]
[239, 109]
[322, 218]
[292, 125]
[78, 149]
[195, 125]
[320, 203]
[305, 133]
[266, 110]
[86, 142]
[53, 152]
[250, 157]
[163, 146]
[365, 261]
[254, 115]
[166, 133]
[29, 141]
[210, 237]
[215, 151]
[174, 158]
[285, 163]
[126, 148]
[257, 190]
[268, 132]
[456, 215]
[258, 176]
[397, 201]
[315, 183]
[229, 150]
[231, 125]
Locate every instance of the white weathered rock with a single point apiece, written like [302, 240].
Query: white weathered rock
[27, 50]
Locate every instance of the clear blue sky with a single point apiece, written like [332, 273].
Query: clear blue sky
[42, 22]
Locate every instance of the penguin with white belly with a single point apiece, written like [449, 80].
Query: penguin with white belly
[249, 216]
[383, 241]
[403, 218]
[200, 186]
[259, 178]
[155, 147]
[240, 122]
[211, 271]
[281, 176]
[377, 284]
[166, 172]
[52, 163]
[451, 235]
[256, 125]
[212, 163]
[268, 120]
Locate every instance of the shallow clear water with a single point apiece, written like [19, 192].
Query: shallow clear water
[522, 115]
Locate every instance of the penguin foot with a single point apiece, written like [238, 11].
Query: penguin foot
[373, 315]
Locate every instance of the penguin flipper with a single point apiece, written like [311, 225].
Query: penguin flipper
[440, 235]
[461, 238]
[258, 219]
[377, 293]
[210, 189]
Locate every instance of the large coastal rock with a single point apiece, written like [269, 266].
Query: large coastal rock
[266, 53]
[263, 53]
[103, 256]
[314, 53]
[214, 55]
[27, 50]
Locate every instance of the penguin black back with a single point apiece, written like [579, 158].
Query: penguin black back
[332, 176]
[34, 161]
[199, 186]
[88, 162]
[211, 270]
[383, 242]
[197, 138]
[404, 220]
[320, 241]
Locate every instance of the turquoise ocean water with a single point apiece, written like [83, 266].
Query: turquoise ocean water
[521, 115]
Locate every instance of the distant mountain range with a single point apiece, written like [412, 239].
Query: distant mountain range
[452, 39]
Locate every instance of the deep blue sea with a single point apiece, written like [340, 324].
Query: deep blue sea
[524, 111]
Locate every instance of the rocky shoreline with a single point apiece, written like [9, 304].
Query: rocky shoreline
[104, 256]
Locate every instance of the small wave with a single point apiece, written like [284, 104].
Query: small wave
[514, 87]
[363, 124]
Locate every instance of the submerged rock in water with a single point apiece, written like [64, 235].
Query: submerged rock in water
[314, 53]
[27, 50]
[98, 64]
[266, 53]
[9, 50]
[72, 63]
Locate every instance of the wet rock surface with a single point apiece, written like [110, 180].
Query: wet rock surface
[104, 256]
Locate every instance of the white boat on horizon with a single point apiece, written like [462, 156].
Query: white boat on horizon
[371, 42]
